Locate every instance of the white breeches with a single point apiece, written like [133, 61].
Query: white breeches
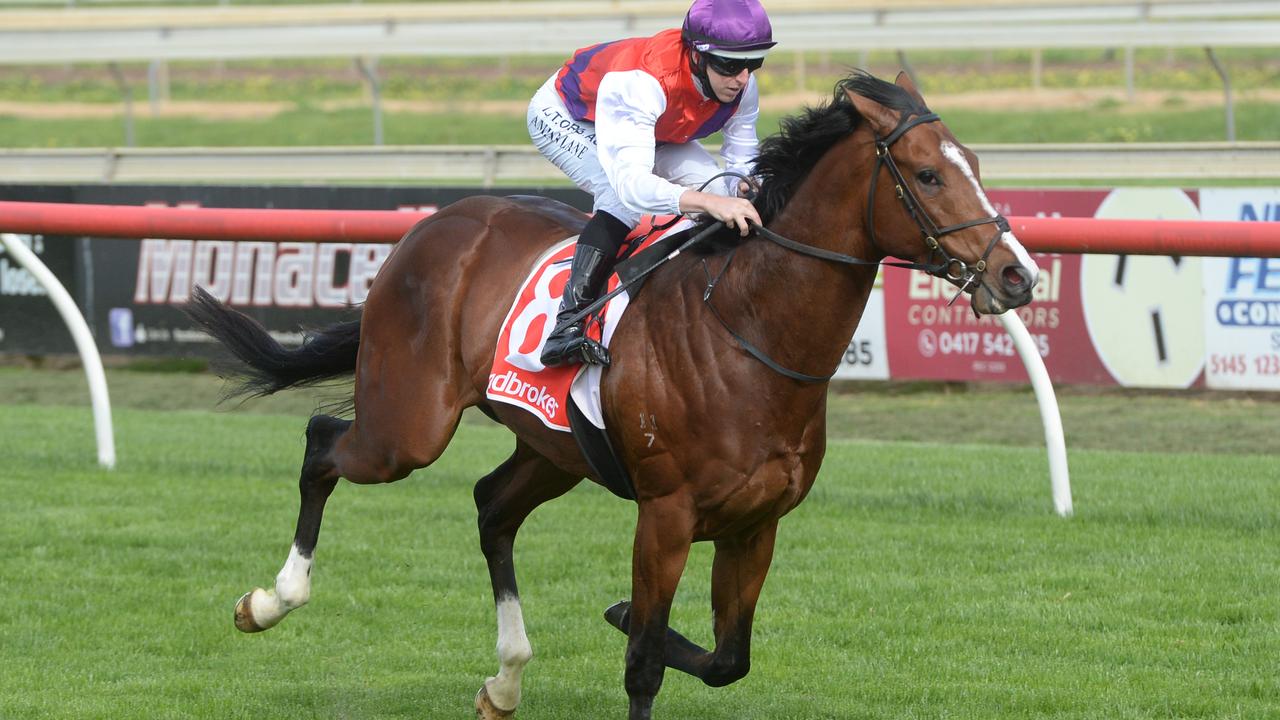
[571, 146]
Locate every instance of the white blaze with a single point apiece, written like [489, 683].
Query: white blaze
[953, 153]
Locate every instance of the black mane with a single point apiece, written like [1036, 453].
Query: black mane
[786, 158]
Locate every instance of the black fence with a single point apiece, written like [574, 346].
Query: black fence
[130, 291]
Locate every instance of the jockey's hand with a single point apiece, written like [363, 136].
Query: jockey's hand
[736, 213]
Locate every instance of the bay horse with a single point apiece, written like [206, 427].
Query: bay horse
[715, 406]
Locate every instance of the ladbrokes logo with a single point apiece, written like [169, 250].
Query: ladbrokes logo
[510, 385]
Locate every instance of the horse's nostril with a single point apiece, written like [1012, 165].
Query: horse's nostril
[1015, 277]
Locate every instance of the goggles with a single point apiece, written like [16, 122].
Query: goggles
[731, 67]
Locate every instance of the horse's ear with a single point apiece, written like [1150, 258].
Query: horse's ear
[882, 119]
[904, 81]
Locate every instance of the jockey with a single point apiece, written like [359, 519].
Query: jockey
[622, 119]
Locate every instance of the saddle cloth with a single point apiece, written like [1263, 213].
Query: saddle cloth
[518, 376]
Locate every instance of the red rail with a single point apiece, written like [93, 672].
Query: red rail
[1148, 237]
[1066, 235]
[195, 223]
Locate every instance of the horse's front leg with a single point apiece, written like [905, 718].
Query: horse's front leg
[261, 609]
[664, 532]
[504, 498]
[737, 578]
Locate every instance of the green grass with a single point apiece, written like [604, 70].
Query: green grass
[516, 77]
[1254, 121]
[1201, 422]
[919, 579]
[294, 128]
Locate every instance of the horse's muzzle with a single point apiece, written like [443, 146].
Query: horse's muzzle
[1010, 287]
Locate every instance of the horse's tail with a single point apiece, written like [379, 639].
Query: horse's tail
[266, 365]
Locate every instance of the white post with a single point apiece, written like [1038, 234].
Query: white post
[84, 344]
[1049, 414]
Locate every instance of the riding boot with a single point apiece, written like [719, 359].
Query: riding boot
[593, 261]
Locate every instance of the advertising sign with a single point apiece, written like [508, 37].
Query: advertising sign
[930, 337]
[1138, 321]
[867, 358]
[29, 323]
[1141, 311]
[132, 291]
[1096, 319]
[1242, 299]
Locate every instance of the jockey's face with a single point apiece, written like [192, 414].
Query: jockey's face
[725, 86]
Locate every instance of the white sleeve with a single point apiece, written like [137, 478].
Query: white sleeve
[628, 105]
[740, 144]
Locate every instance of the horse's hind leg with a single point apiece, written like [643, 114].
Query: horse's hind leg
[504, 498]
[408, 399]
[261, 609]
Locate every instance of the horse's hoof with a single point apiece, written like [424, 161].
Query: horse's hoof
[486, 710]
[245, 622]
[619, 615]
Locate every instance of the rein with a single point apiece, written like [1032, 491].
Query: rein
[811, 251]
[596, 305]
[950, 268]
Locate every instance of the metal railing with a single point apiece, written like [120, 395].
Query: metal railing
[471, 29]
[494, 165]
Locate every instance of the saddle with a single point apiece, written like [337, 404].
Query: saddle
[567, 398]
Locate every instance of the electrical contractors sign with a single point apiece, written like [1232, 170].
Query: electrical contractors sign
[1095, 319]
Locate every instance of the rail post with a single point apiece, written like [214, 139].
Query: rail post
[89, 356]
[1059, 478]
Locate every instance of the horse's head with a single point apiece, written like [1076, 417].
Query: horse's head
[926, 201]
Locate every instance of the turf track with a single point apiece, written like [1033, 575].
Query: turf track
[918, 580]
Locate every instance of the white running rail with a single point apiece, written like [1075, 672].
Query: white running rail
[84, 344]
[1050, 416]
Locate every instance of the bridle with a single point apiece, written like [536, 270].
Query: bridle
[953, 269]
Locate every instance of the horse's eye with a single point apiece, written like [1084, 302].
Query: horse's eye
[929, 177]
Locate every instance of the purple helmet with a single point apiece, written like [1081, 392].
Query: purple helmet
[730, 28]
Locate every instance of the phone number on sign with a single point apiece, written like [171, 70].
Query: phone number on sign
[1241, 364]
[987, 344]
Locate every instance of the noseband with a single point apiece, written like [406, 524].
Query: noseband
[951, 268]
